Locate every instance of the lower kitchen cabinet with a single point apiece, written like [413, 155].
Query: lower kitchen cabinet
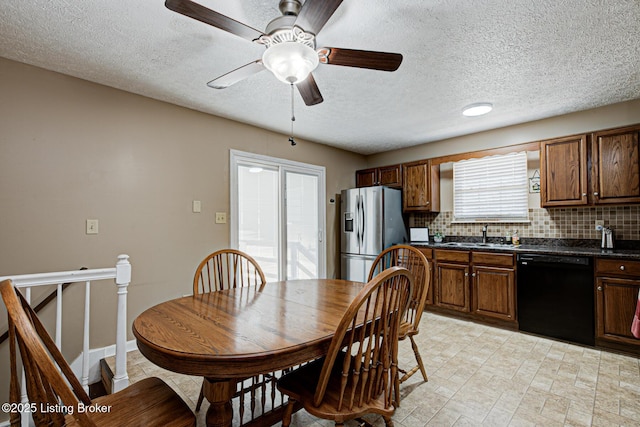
[480, 284]
[617, 286]
[494, 291]
[451, 274]
[494, 285]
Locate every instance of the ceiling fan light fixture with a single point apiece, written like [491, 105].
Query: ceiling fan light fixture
[477, 109]
[290, 62]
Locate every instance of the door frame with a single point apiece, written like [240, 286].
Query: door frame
[283, 165]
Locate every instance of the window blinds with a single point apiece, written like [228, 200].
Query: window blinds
[491, 189]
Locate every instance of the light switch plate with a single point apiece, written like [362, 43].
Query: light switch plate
[221, 217]
[92, 226]
[196, 206]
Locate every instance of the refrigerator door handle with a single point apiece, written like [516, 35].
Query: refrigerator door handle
[362, 224]
[357, 221]
[360, 217]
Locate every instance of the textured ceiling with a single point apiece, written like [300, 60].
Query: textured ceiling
[531, 59]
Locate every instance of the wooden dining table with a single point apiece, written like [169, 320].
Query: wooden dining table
[227, 336]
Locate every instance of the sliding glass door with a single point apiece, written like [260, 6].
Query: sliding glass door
[258, 216]
[302, 231]
[277, 215]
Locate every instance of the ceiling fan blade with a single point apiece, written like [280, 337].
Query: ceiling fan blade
[236, 75]
[309, 91]
[315, 13]
[208, 16]
[383, 61]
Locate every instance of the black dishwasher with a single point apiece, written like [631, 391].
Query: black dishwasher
[556, 296]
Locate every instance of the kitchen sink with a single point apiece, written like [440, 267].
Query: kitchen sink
[475, 245]
[459, 244]
[493, 245]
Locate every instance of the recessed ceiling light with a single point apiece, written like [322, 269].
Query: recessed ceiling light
[477, 109]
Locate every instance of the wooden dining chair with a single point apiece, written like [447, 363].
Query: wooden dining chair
[51, 384]
[357, 376]
[415, 261]
[226, 269]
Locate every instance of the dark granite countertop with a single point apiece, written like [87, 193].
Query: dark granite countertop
[625, 249]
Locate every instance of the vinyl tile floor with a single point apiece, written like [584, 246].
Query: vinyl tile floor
[485, 376]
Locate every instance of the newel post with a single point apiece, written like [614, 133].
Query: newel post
[123, 278]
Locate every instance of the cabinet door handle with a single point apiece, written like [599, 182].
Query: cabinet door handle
[584, 194]
[622, 267]
[595, 193]
[599, 288]
[473, 275]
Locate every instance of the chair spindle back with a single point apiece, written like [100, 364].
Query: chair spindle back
[47, 387]
[226, 269]
[367, 356]
[416, 262]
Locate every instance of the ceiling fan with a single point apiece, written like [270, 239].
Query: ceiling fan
[289, 39]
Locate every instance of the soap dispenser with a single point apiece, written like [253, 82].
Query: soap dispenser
[515, 239]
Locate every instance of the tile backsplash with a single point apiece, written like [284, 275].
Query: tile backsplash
[557, 223]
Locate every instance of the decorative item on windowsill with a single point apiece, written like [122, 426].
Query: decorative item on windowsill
[534, 182]
[438, 237]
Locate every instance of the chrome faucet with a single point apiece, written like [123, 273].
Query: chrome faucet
[484, 233]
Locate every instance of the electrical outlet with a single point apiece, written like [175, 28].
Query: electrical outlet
[221, 217]
[92, 226]
[599, 224]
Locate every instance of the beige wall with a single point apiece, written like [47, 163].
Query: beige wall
[72, 150]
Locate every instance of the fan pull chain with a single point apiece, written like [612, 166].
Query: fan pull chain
[293, 119]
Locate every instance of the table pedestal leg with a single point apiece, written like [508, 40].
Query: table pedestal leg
[219, 394]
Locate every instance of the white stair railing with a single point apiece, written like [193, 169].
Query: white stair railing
[121, 274]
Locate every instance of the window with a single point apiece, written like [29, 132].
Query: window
[491, 189]
[278, 215]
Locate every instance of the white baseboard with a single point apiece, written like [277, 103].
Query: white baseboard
[95, 355]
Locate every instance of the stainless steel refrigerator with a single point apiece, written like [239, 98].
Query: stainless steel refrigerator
[371, 221]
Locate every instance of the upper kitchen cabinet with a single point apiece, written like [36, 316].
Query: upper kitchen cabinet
[563, 171]
[614, 177]
[421, 186]
[391, 176]
[616, 166]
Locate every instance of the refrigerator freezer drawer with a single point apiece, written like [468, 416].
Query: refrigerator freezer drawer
[356, 267]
